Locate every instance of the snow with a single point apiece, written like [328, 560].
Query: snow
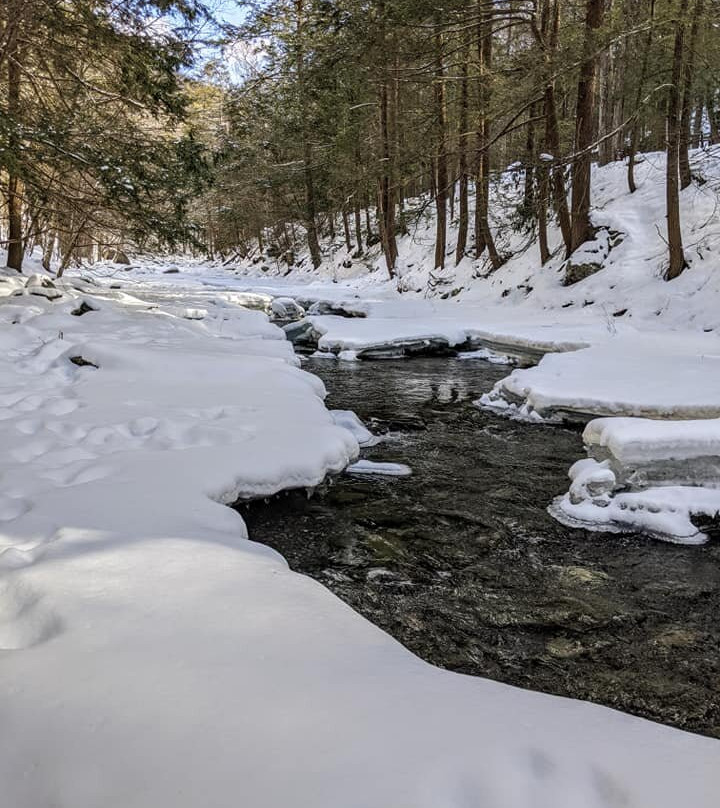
[349, 420]
[640, 440]
[645, 475]
[384, 469]
[663, 512]
[392, 325]
[661, 375]
[154, 656]
[629, 289]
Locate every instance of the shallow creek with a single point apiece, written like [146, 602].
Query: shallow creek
[462, 564]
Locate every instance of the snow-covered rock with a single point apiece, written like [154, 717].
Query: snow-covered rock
[663, 375]
[646, 476]
[42, 286]
[285, 308]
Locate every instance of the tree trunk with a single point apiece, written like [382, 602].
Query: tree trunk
[368, 228]
[529, 190]
[550, 25]
[346, 229]
[672, 180]
[386, 199]
[14, 184]
[386, 196]
[483, 236]
[441, 171]
[686, 112]
[542, 206]
[584, 128]
[358, 227]
[463, 145]
[310, 207]
[697, 130]
[635, 130]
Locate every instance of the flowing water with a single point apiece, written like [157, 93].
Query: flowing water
[462, 564]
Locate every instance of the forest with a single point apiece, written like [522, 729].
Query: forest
[139, 126]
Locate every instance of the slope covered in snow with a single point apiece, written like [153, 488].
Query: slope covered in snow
[154, 657]
[629, 287]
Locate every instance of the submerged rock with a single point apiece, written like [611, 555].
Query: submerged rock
[302, 334]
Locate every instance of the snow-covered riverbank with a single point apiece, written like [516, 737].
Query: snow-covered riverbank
[154, 657]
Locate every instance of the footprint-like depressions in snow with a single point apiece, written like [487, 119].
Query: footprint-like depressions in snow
[75, 475]
[142, 427]
[60, 405]
[32, 450]
[24, 619]
[29, 403]
[30, 426]
[13, 507]
[107, 438]
[60, 458]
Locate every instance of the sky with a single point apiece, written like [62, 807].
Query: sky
[228, 11]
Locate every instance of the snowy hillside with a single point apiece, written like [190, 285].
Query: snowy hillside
[629, 287]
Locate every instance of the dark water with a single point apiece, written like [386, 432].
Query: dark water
[462, 564]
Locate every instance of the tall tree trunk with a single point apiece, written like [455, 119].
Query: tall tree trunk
[687, 94]
[584, 128]
[542, 207]
[529, 190]
[368, 226]
[697, 128]
[386, 196]
[441, 171]
[358, 227]
[604, 104]
[549, 27]
[635, 129]
[463, 145]
[346, 229]
[310, 206]
[14, 185]
[483, 236]
[672, 179]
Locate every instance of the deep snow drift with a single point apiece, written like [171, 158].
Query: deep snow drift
[154, 657]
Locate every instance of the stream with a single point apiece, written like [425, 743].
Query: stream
[462, 564]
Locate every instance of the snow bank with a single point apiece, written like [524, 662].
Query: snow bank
[640, 440]
[666, 512]
[661, 375]
[646, 476]
[404, 328]
[154, 657]
[349, 420]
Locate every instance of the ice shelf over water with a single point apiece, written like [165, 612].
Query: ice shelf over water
[645, 475]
